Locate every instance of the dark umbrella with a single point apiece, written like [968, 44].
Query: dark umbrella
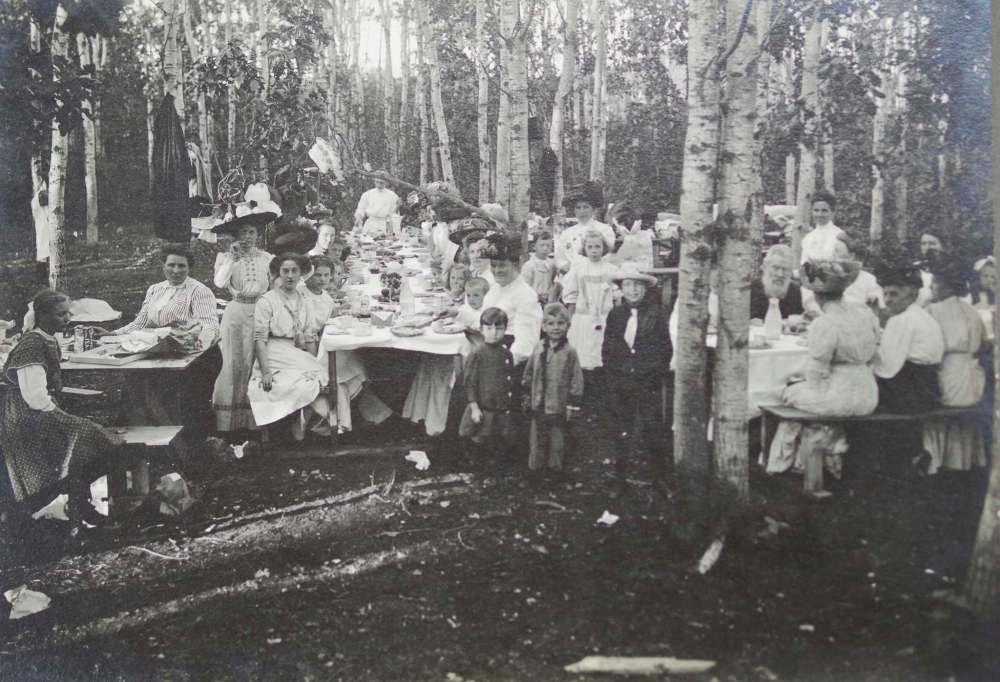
[171, 168]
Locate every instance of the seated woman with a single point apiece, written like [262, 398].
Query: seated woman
[956, 444]
[188, 306]
[982, 293]
[351, 376]
[42, 445]
[287, 377]
[838, 379]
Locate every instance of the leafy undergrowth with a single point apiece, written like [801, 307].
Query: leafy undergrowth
[283, 573]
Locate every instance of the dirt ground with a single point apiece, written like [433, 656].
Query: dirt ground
[298, 565]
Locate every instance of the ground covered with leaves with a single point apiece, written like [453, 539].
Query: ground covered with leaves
[298, 565]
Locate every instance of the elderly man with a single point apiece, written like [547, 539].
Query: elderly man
[776, 282]
[375, 207]
[910, 350]
[822, 241]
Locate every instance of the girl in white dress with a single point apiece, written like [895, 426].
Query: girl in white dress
[588, 293]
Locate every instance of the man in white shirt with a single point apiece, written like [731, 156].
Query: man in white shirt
[910, 350]
[586, 200]
[375, 207]
[931, 248]
[820, 244]
[513, 295]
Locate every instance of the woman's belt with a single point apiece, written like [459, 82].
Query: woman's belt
[249, 300]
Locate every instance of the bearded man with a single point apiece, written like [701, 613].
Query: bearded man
[776, 282]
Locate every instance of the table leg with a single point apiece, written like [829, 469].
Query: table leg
[331, 392]
[140, 478]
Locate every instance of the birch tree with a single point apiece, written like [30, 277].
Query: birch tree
[730, 374]
[483, 104]
[420, 96]
[173, 65]
[982, 585]
[559, 104]
[762, 18]
[883, 107]
[58, 157]
[829, 165]
[231, 93]
[809, 110]
[440, 124]
[39, 182]
[701, 153]
[791, 166]
[520, 164]
[87, 61]
[204, 135]
[501, 188]
[599, 115]
[403, 127]
[388, 89]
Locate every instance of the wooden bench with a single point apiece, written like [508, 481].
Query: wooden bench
[140, 444]
[813, 466]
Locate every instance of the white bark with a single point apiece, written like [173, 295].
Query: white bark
[502, 189]
[883, 107]
[762, 108]
[520, 163]
[701, 150]
[483, 104]
[231, 94]
[599, 115]
[57, 171]
[828, 151]
[89, 144]
[566, 77]
[440, 124]
[809, 110]
[39, 183]
[173, 63]
[420, 97]
[403, 129]
[205, 184]
[388, 90]
[730, 374]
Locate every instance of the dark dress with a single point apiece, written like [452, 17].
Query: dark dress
[791, 304]
[489, 382]
[42, 448]
[634, 378]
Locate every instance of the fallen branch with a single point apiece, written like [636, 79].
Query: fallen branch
[550, 503]
[157, 554]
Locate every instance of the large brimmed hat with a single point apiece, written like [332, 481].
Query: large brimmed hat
[381, 174]
[299, 237]
[474, 228]
[630, 270]
[590, 191]
[497, 213]
[900, 275]
[952, 272]
[500, 246]
[829, 276]
[258, 209]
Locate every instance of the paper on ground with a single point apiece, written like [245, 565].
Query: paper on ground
[639, 665]
[710, 556]
[608, 519]
[25, 602]
[420, 459]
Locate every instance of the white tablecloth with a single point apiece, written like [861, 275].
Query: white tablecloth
[770, 370]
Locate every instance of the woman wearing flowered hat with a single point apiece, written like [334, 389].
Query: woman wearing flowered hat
[838, 379]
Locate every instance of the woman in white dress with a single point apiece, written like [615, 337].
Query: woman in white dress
[287, 377]
[243, 271]
[956, 444]
[838, 381]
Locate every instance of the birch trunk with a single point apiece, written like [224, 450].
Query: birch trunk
[89, 143]
[566, 76]
[57, 171]
[701, 153]
[883, 105]
[39, 182]
[420, 98]
[482, 103]
[809, 110]
[150, 119]
[403, 129]
[761, 106]
[599, 115]
[901, 185]
[231, 94]
[204, 136]
[388, 90]
[982, 585]
[440, 124]
[359, 83]
[790, 171]
[520, 162]
[828, 151]
[173, 64]
[730, 374]
[791, 163]
[502, 189]
[263, 59]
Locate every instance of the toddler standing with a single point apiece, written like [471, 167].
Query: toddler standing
[539, 271]
[554, 380]
[489, 387]
[636, 354]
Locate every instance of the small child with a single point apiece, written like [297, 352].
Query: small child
[636, 354]
[489, 387]
[539, 271]
[469, 312]
[554, 382]
[458, 275]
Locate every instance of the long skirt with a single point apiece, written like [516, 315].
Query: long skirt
[229, 399]
[297, 379]
[351, 378]
[430, 393]
[586, 335]
[41, 448]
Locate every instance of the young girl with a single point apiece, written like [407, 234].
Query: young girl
[458, 275]
[587, 292]
[636, 354]
[554, 382]
[489, 387]
[539, 271]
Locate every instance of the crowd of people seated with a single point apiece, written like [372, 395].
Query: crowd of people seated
[566, 326]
